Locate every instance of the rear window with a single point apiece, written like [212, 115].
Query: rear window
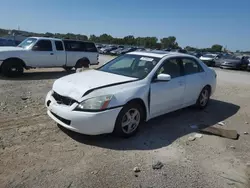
[78, 46]
[90, 47]
[75, 46]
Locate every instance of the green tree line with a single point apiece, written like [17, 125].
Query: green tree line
[147, 42]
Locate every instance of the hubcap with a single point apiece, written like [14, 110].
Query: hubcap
[204, 97]
[130, 121]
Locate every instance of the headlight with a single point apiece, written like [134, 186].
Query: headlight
[96, 103]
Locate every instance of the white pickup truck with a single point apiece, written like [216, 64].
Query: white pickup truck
[40, 52]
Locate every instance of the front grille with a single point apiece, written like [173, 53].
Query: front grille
[61, 119]
[63, 100]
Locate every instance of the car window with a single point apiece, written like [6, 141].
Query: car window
[171, 67]
[76, 46]
[59, 45]
[191, 66]
[43, 45]
[90, 47]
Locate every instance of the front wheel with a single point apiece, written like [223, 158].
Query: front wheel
[203, 99]
[128, 120]
[12, 68]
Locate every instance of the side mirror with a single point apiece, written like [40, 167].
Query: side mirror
[163, 77]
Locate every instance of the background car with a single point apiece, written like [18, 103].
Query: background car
[209, 59]
[236, 62]
[107, 49]
[221, 58]
[116, 51]
[196, 54]
[248, 66]
[7, 42]
[179, 50]
[127, 50]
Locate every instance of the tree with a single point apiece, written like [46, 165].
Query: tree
[169, 42]
[105, 38]
[216, 48]
[189, 48]
[129, 40]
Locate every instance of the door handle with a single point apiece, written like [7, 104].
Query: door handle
[51, 53]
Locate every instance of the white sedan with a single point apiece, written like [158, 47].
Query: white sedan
[128, 90]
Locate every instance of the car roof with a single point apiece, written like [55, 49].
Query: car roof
[158, 53]
[45, 38]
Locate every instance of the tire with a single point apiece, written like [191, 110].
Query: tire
[68, 69]
[84, 62]
[12, 68]
[121, 127]
[203, 98]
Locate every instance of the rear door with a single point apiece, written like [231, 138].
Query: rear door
[42, 54]
[195, 79]
[60, 54]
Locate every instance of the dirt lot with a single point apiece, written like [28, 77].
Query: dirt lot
[35, 152]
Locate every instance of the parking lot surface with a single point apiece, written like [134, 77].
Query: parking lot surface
[35, 152]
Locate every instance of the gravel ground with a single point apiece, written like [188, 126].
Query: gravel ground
[35, 152]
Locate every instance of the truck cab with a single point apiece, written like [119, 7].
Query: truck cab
[41, 52]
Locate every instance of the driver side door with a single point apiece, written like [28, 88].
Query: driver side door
[42, 54]
[167, 96]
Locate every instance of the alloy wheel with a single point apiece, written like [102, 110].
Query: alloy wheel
[130, 121]
[204, 97]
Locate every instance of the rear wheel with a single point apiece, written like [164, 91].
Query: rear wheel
[204, 97]
[129, 120]
[11, 68]
[82, 63]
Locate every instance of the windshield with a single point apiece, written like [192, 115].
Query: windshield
[27, 42]
[135, 66]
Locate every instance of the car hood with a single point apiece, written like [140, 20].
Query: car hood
[10, 48]
[234, 61]
[206, 58]
[76, 85]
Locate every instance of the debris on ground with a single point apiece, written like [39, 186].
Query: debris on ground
[94, 172]
[191, 138]
[231, 134]
[157, 165]
[24, 98]
[198, 135]
[222, 123]
[136, 175]
[136, 169]
[230, 183]
[248, 164]
[245, 133]
[232, 147]
[194, 127]
[246, 122]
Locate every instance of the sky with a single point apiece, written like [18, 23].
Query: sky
[194, 23]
